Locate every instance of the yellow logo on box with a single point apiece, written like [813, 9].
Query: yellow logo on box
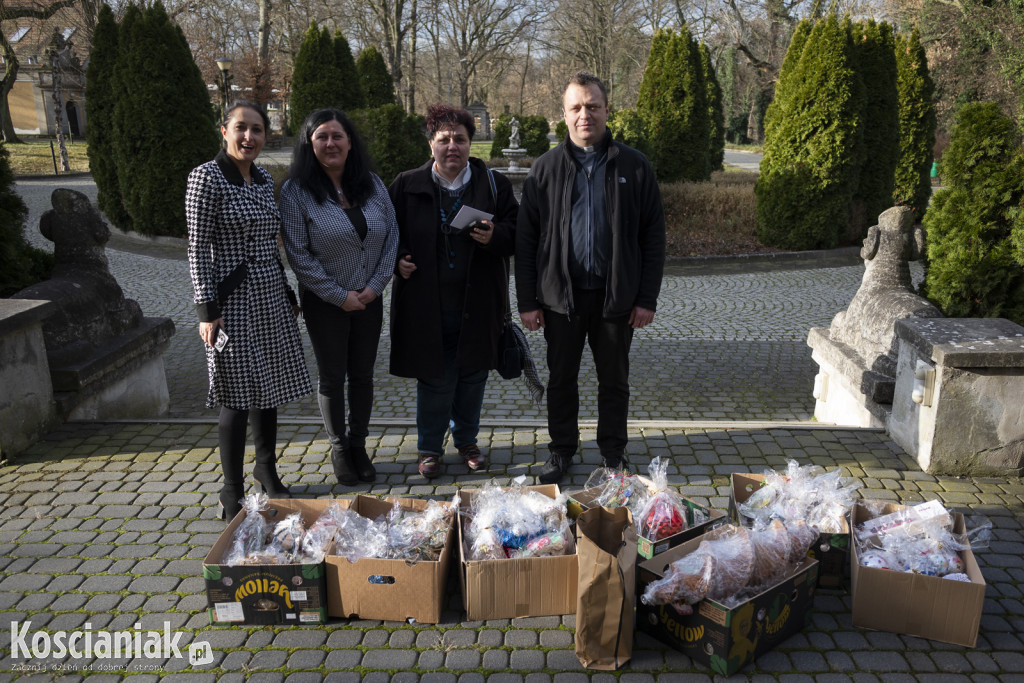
[259, 585]
[776, 624]
[687, 634]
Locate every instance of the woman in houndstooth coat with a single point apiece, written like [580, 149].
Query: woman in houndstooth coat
[240, 290]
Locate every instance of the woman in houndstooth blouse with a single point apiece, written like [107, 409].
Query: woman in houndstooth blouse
[241, 292]
[341, 238]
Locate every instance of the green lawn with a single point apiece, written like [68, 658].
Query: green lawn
[32, 156]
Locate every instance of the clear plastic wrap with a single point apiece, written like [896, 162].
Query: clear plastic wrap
[802, 493]
[418, 535]
[721, 566]
[317, 540]
[773, 549]
[664, 513]
[287, 535]
[506, 522]
[250, 536]
[919, 540]
[617, 489]
[360, 537]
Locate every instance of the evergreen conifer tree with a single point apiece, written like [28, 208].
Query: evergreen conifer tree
[975, 222]
[628, 127]
[163, 124]
[673, 104]
[316, 81]
[716, 113]
[917, 125]
[875, 60]
[100, 101]
[808, 174]
[396, 141]
[378, 86]
[351, 89]
[21, 264]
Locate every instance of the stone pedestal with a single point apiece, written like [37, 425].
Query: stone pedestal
[514, 172]
[846, 391]
[959, 399]
[27, 410]
[123, 378]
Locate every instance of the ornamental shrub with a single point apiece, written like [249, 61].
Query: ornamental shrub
[533, 134]
[397, 141]
[561, 130]
[378, 86]
[975, 224]
[808, 175]
[100, 102]
[316, 80]
[628, 127]
[673, 103]
[913, 184]
[350, 88]
[875, 60]
[163, 123]
[716, 111]
[21, 264]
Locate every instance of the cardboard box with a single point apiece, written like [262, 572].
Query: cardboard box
[726, 639]
[646, 548]
[267, 593]
[505, 589]
[918, 605]
[391, 590]
[831, 550]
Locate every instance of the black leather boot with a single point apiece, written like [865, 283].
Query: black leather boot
[231, 438]
[264, 436]
[333, 412]
[361, 463]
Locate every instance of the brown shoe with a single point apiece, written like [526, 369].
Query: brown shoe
[430, 465]
[475, 460]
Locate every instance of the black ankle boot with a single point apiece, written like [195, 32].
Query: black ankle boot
[267, 480]
[343, 467]
[230, 501]
[361, 463]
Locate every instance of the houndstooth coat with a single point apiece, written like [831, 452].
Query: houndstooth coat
[230, 222]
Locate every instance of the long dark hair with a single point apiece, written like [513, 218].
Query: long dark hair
[356, 181]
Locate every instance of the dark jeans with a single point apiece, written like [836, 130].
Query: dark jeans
[450, 402]
[345, 345]
[609, 339]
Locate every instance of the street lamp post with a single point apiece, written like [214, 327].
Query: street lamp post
[224, 64]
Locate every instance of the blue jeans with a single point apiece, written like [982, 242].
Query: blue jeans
[453, 401]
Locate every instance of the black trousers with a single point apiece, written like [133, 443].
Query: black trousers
[345, 346]
[610, 340]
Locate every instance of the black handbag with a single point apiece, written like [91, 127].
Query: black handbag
[510, 350]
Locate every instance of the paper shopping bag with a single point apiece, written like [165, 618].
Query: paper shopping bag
[606, 553]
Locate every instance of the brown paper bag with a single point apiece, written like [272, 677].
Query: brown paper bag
[606, 553]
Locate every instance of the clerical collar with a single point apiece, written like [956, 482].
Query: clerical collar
[460, 180]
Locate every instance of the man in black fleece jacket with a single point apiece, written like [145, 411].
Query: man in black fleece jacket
[590, 250]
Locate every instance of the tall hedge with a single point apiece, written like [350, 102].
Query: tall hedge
[351, 89]
[100, 103]
[673, 104]
[397, 141]
[628, 127]
[316, 80]
[913, 185]
[378, 85]
[808, 175]
[875, 59]
[716, 110]
[533, 134]
[163, 123]
[21, 264]
[975, 224]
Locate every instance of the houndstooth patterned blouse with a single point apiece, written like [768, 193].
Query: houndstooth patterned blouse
[230, 222]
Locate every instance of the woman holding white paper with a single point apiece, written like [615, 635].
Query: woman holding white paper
[449, 300]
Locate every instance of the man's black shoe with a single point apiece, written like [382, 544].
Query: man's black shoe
[554, 468]
[613, 462]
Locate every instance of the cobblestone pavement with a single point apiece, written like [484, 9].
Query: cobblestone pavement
[105, 525]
